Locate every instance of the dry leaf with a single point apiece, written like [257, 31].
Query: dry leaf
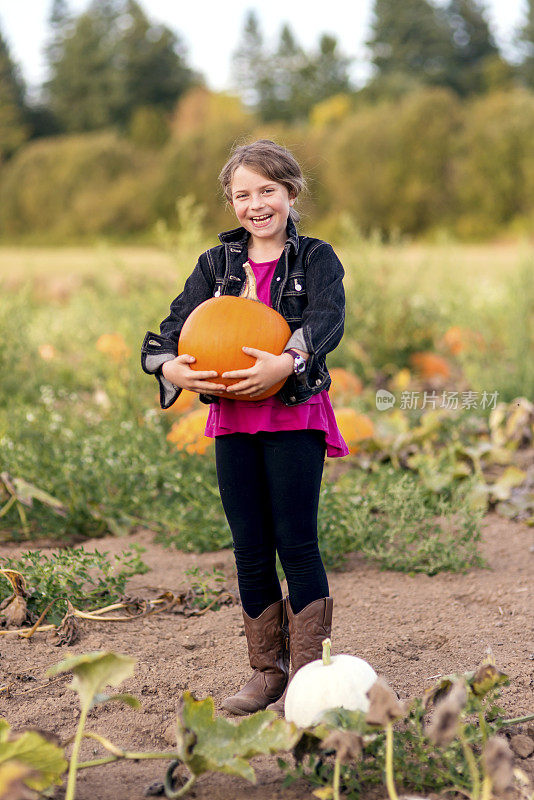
[347, 744]
[14, 615]
[443, 726]
[68, 631]
[498, 761]
[384, 706]
[17, 581]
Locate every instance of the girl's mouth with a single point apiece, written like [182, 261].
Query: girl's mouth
[261, 221]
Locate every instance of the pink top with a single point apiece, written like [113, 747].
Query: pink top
[251, 416]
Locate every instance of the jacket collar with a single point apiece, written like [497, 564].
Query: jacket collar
[240, 235]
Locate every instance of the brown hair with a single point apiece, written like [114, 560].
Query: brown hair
[269, 159]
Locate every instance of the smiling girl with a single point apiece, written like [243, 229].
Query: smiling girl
[269, 453]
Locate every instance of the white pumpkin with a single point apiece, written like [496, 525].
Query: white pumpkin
[330, 682]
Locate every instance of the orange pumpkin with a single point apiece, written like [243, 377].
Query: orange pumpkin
[458, 339]
[344, 383]
[354, 427]
[114, 346]
[188, 433]
[218, 328]
[430, 365]
[185, 402]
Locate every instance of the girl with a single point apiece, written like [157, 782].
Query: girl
[269, 453]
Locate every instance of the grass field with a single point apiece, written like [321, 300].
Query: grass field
[75, 402]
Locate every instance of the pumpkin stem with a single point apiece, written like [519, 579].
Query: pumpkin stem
[326, 652]
[249, 290]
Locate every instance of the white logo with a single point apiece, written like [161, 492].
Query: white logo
[384, 399]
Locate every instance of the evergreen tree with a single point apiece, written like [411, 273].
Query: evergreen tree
[412, 39]
[13, 113]
[285, 69]
[526, 43]
[474, 46]
[109, 61]
[286, 83]
[154, 63]
[331, 69]
[248, 61]
[59, 22]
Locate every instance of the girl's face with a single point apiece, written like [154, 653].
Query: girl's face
[261, 206]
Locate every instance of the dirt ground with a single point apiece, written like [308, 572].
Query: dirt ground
[412, 629]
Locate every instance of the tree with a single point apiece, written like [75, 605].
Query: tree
[526, 42]
[248, 61]
[286, 83]
[154, 63]
[474, 48]
[411, 38]
[59, 21]
[322, 74]
[13, 113]
[109, 61]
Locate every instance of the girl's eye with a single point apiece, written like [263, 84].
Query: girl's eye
[269, 190]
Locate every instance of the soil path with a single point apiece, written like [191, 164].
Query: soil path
[410, 628]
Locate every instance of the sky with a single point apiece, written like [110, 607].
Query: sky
[211, 36]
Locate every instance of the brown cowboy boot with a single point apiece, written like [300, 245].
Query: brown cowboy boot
[269, 658]
[307, 629]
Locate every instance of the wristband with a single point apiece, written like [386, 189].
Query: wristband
[299, 363]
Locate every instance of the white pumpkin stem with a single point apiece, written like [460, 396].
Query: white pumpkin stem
[327, 643]
[249, 290]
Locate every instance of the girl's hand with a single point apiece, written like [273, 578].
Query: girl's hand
[179, 373]
[268, 370]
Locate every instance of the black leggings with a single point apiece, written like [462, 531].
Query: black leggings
[269, 485]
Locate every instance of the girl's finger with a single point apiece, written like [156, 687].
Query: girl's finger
[208, 387]
[254, 352]
[241, 387]
[200, 376]
[237, 373]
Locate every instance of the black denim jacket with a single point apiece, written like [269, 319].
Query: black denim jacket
[307, 289]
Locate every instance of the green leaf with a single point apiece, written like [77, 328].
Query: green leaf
[486, 678]
[5, 727]
[26, 493]
[94, 671]
[127, 699]
[45, 757]
[326, 793]
[511, 477]
[206, 742]
[340, 718]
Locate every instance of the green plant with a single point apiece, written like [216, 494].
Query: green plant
[465, 718]
[203, 593]
[389, 516]
[92, 673]
[203, 742]
[28, 759]
[87, 579]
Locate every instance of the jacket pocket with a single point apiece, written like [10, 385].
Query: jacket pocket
[294, 298]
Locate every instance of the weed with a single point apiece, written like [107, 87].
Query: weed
[203, 593]
[86, 579]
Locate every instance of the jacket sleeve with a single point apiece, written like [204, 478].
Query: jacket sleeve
[323, 319]
[158, 348]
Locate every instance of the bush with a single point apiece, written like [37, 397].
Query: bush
[77, 186]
